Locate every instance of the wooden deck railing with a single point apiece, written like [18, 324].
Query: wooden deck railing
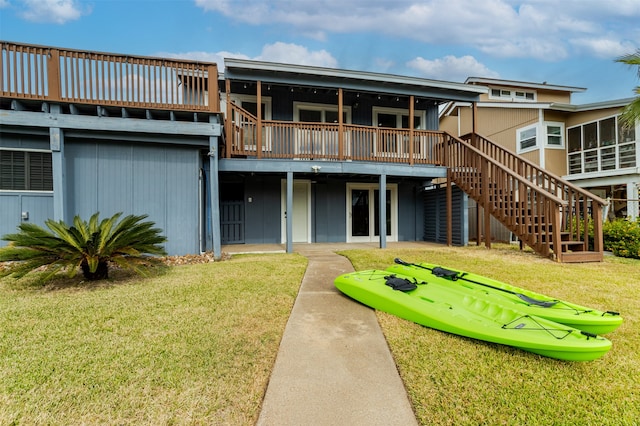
[581, 208]
[74, 76]
[322, 141]
[523, 207]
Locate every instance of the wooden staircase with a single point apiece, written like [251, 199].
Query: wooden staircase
[545, 212]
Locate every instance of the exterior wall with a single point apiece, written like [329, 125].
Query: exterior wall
[328, 211]
[263, 213]
[556, 161]
[435, 216]
[158, 180]
[589, 116]
[38, 205]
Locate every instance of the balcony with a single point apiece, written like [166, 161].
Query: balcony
[249, 137]
[48, 74]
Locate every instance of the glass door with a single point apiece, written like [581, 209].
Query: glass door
[363, 216]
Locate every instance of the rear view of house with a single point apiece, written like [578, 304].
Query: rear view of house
[262, 153]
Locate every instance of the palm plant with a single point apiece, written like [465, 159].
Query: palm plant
[631, 113]
[90, 246]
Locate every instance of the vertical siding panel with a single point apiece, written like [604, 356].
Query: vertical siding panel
[115, 179]
[150, 184]
[82, 179]
[182, 201]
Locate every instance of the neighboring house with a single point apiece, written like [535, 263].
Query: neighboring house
[584, 144]
[264, 153]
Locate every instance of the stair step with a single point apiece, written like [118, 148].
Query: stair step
[581, 257]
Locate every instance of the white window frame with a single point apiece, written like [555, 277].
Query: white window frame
[511, 94]
[546, 125]
[238, 99]
[399, 112]
[519, 139]
[297, 106]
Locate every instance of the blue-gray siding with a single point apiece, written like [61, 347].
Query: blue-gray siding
[158, 180]
[435, 216]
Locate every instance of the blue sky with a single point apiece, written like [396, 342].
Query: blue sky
[563, 42]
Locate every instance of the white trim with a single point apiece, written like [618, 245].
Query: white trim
[512, 94]
[560, 124]
[297, 106]
[393, 188]
[266, 100]
[398, 112]
[520, 150]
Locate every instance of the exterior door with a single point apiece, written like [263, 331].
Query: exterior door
[301, 211]
[363, 215]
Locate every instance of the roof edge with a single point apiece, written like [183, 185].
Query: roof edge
[527, 84]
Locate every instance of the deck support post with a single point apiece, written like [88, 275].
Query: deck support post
[259, 121]
[411, 126]
[383, 211]
[289, 213]
[214, 199]
[56, 144]
[449, 209]
[340, 125]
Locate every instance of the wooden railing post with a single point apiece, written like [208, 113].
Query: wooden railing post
[340, 126]
[212, 86]
[259, 115]
[411, 125]
[229, 120]
[486, 200]
[556, 229]
[598, 239]
[53, 75]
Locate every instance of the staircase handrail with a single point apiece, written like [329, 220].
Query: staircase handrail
[540, 170]
[512, 173]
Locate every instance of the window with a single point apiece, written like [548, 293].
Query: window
[527, 138]
[603, 145]
[320, 113]
[512, 95]
[555, 132]
[25, 170]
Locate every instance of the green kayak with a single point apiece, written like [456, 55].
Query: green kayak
[453, 309]
[529, 302]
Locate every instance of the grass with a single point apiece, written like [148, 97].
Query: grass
[193, 345]
[197, 344]
[453, 380]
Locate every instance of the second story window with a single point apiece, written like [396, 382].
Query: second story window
[527, 138]
[603, 145]
[512, 95]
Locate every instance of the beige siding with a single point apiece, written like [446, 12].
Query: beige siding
[500, 125]
[449, 124]
[556, 161]
[533, 156]
[554, 96]
[588, 116]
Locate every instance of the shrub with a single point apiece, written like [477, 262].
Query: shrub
[622, 237]
[90, 246]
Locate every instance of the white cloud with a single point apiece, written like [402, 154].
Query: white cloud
[538, 29]
[4, 3]
[295, 54]
[451, 68]
[604, 47]
[55, 11]
[277, 52]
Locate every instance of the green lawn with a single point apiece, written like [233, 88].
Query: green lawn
[192, 346]
[459, 381]
[196, 346]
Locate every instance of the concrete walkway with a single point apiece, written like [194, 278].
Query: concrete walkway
[333, 366]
